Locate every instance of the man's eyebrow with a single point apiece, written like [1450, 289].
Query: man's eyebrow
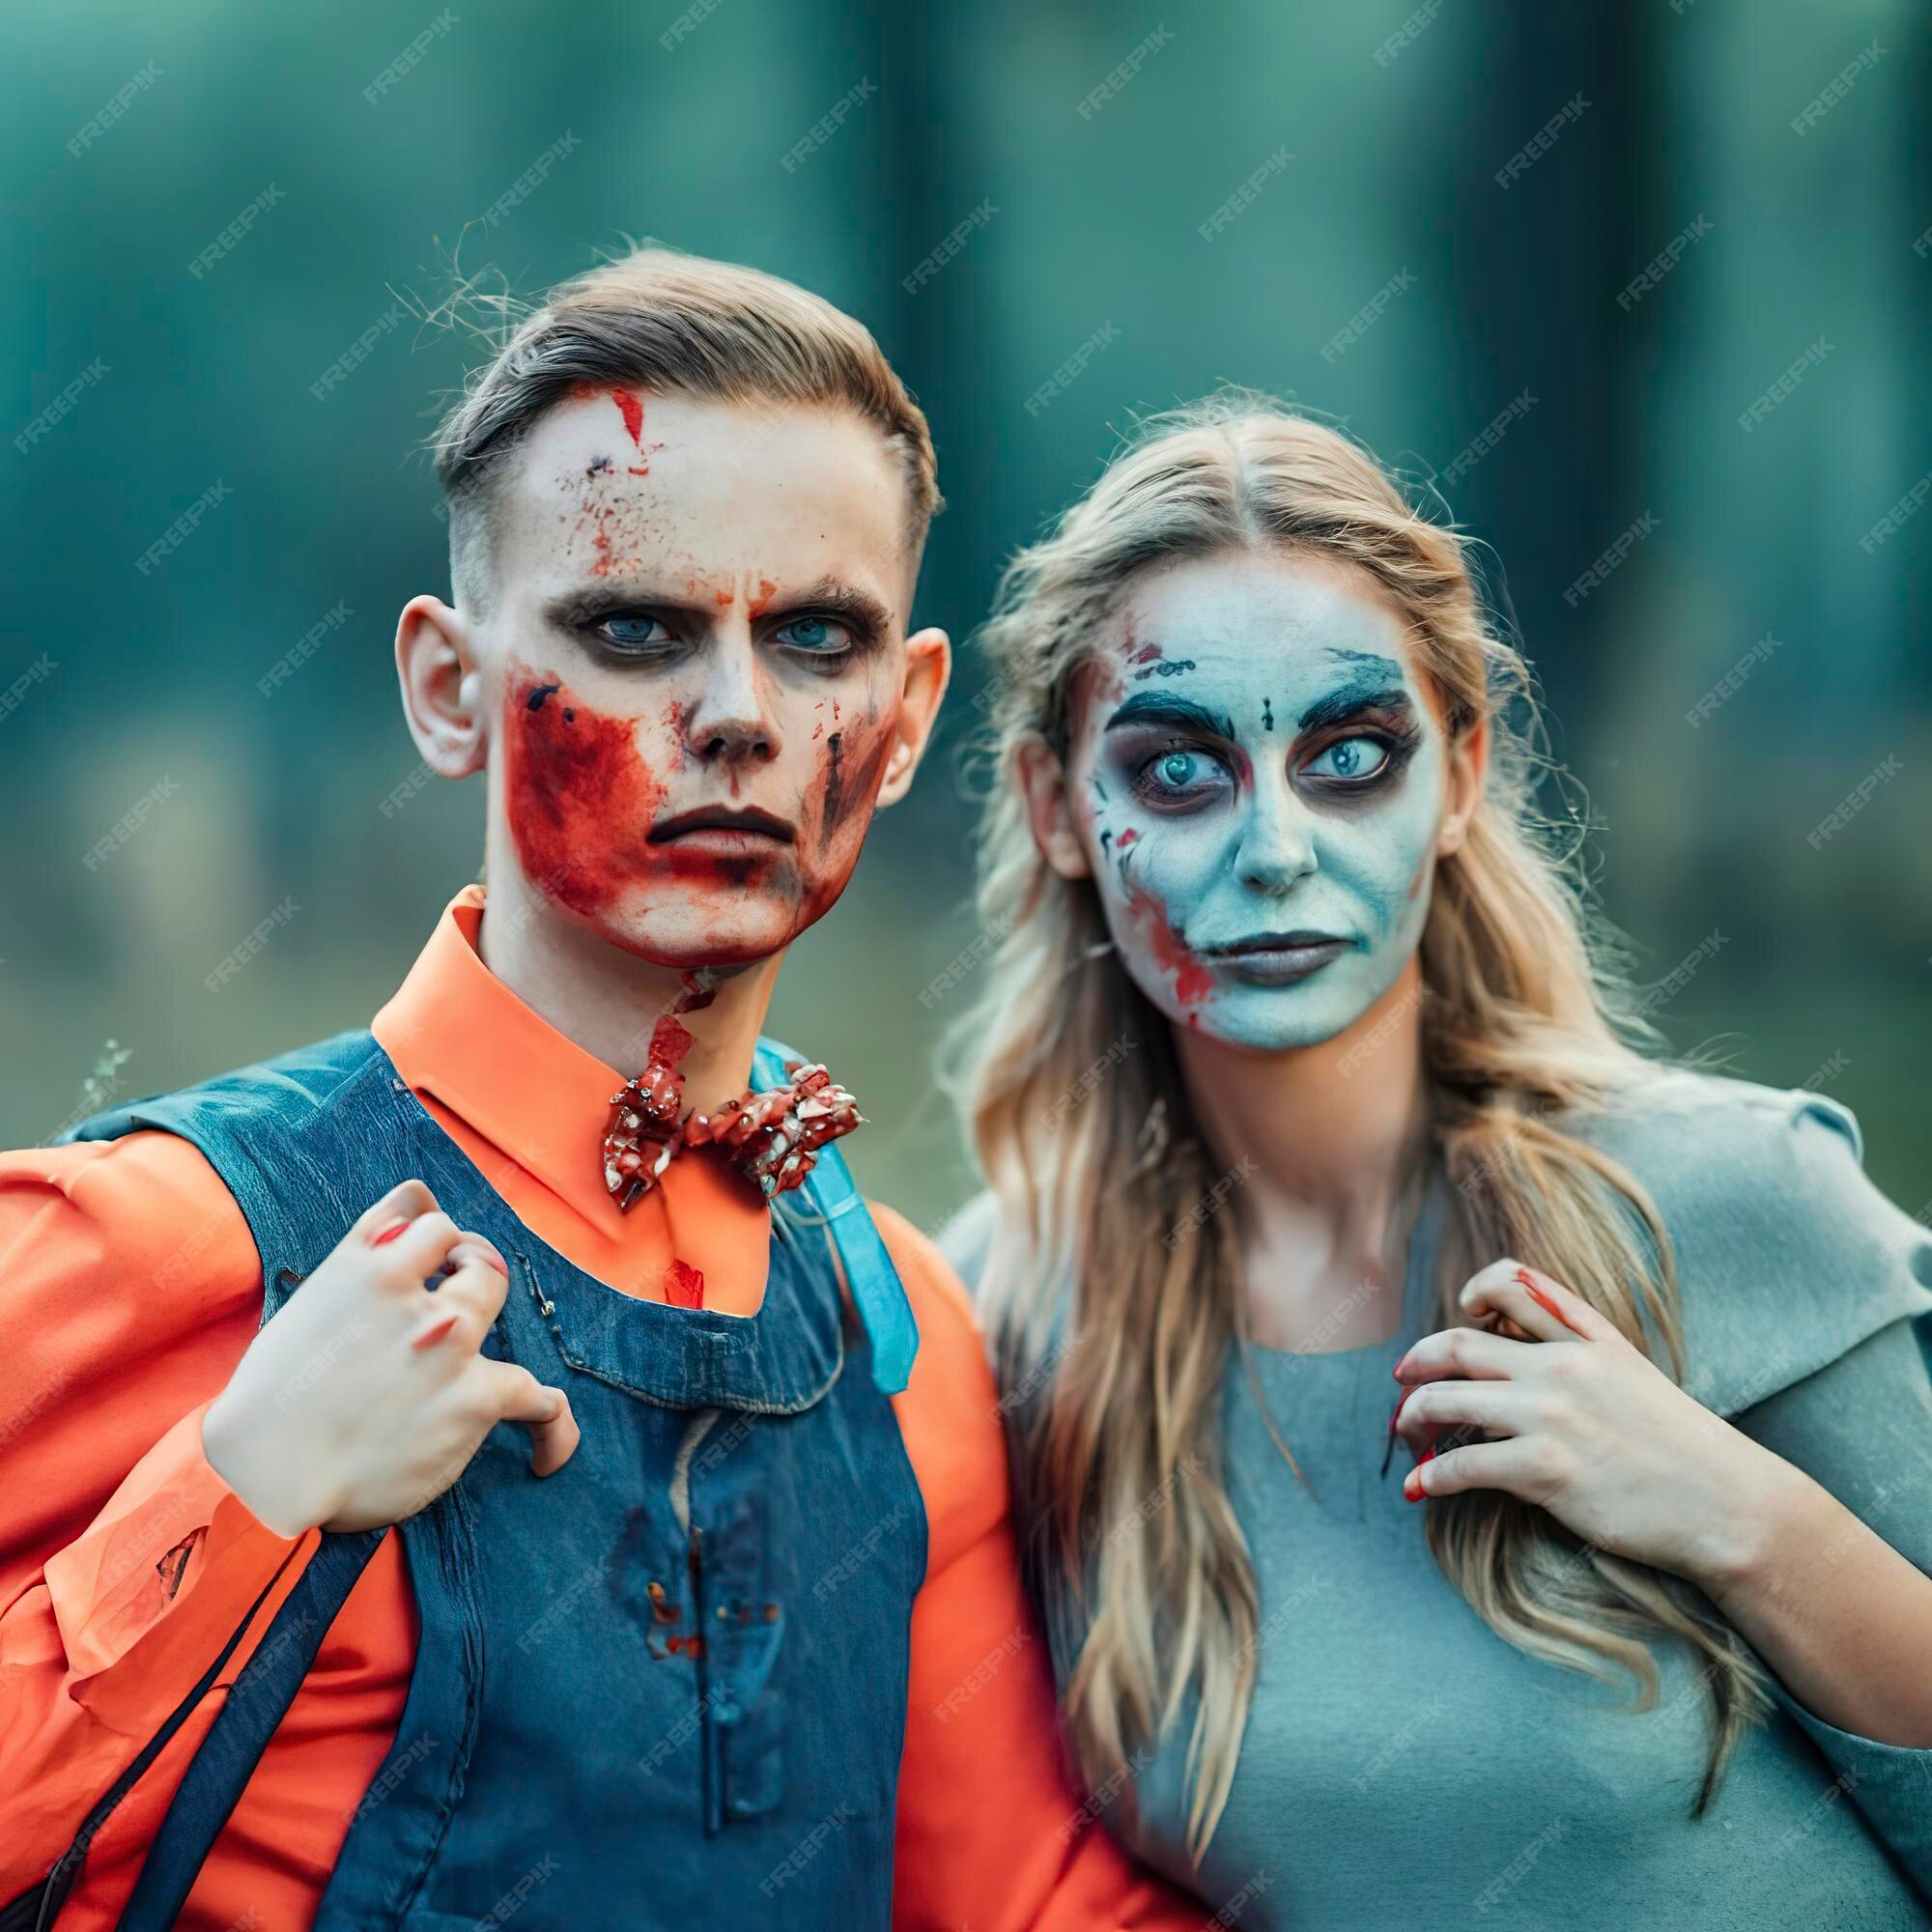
[1154, 707]
[1368, 690]
[836, 598]
[860, 609]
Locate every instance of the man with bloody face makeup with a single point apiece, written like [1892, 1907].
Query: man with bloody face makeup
[298, 1630]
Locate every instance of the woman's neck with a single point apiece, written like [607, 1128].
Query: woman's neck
[1327, 1141]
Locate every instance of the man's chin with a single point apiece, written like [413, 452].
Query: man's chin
[723, 946]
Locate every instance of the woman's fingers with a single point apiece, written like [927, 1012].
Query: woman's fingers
[1472, 1354]
[544, 1410]
[1522, 1467]
[1536, 1302]
[1428, 1410]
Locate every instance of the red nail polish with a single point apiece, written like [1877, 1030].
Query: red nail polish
[1412, 1485]
[389, 1233]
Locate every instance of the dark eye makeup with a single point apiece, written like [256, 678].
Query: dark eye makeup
[1345, 759]
[820, 641]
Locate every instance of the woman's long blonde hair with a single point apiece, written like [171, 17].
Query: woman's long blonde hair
[1111, 1302]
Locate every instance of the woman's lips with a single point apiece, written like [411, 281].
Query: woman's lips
[1274, 962]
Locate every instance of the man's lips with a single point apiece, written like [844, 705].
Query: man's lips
[722, 825]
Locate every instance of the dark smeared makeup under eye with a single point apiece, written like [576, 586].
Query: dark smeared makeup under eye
[1393, 727]
[1137, 755]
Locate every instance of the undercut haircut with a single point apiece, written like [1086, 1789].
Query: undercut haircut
[670, 323]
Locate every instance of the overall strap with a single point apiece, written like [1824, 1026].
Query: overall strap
[257, 1702]
[829, 1193]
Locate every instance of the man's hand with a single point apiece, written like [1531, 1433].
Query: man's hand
[366, 1396]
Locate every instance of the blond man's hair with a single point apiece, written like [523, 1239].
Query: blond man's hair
[672, 323]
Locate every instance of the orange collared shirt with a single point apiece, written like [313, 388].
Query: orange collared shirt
[130, 1287]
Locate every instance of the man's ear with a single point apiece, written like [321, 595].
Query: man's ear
[929, 672]
[442, 688]
[1042, 780]
[1468, 762]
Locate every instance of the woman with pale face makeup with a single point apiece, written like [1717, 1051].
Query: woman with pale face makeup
[1313, 1119]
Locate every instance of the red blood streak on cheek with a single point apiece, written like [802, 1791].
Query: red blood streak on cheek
[1192, 981]
[580, 797]
[1127, 838]
[684, 1286]
[759, 603]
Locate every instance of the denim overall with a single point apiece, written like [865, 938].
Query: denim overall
[664, 1686]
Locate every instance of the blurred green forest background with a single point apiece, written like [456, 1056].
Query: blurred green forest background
[1093, 153]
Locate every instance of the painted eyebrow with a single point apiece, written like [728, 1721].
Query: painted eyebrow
[1153, 707]
[1367, 690]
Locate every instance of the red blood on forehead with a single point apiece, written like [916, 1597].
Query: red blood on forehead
[629, 406]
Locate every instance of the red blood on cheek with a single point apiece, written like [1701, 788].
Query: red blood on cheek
[1192, 981]
[579, 795]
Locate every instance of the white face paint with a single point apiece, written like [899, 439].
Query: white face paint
[1259, 779]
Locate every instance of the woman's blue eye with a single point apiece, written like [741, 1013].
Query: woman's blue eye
[631, 630]
[1176, 768]
[813, 633]
[1349, 758]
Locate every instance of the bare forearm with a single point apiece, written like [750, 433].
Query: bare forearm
[1843, 1619]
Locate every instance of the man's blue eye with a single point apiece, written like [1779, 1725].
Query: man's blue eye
[1349, 758]
[813, 633]
[632, 629]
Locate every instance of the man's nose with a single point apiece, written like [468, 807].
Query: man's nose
[731, 719]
